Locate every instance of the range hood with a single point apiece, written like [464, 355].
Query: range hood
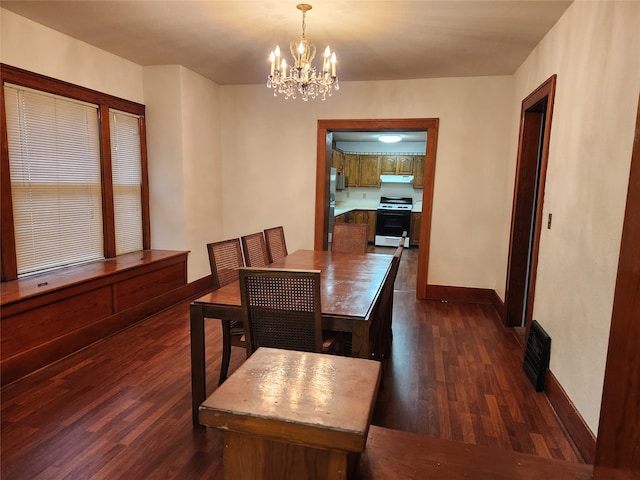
[396, 178]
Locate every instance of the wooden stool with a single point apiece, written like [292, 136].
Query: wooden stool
[294, 415]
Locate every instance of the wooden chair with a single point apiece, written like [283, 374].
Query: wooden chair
[276, 245]
[349, 237]
[282, 310]
[380, 335]
[403, 238]
[255, 250]
[225, 257]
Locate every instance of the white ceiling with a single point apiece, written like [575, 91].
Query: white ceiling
[229, 41]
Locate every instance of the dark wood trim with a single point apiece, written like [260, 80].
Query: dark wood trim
[427, 208]
[498, 304]
[29, 79]
[9, 265]
[544, 93]
[146, 216]
[450, 293]
[17, 76]
[618, 447]
[574, 424]
[322, 169]
[108, 209]
[397, 455]
[197, 288]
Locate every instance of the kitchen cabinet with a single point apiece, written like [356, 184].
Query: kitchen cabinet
[338, 161]
[404, 165]
[396, 165]
[414, 232]
[418, 171]
[360, 216]
[369, 171]
[352, 169]
[371, 220]
[388, 165]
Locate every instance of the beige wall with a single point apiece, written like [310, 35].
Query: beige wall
[595, 51]
[269, 159]
[29, 45]
[184, 163]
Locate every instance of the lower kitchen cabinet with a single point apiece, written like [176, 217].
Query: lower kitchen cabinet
[414, 233]
[360, 216]
[372, 225]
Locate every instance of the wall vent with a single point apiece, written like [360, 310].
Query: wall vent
[536, 356]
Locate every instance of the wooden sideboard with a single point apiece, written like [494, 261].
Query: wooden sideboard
[48, 316]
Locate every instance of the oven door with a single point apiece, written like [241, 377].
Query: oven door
[389, 226]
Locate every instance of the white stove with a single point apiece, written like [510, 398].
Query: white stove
[393, 217]
[395, 203]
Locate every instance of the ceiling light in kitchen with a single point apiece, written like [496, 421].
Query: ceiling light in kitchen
[390, 138]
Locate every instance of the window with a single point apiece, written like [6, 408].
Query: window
[74, 184]
[127, 181]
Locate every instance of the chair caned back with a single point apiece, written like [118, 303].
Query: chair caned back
[349, 237]
[282, 308]
[255, 250]
[276, 245]
[225, 257]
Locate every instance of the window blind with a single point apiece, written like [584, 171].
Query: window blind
[127, 180]
[54, 159]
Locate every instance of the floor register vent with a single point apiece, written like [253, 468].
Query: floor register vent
[536, 356]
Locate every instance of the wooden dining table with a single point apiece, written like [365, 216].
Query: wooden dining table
[351, 286]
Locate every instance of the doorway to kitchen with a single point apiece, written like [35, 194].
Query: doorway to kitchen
[323, 174]
[526, 217]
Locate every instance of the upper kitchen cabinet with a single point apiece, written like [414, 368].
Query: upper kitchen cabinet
[396, 165]
[352, 169]
[369, 171]
[388, 165]
[338, 161]
[404, 165]
[418, 171]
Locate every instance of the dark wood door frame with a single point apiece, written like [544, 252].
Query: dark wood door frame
[618, 442]
[323, 170]
[528, 198]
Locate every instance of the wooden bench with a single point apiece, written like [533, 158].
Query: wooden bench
[396, 455]
[48, 316]
[293, 415]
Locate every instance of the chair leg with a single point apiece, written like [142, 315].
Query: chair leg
[226, 351]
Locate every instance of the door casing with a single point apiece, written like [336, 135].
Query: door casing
[528, 198]
[323, 171]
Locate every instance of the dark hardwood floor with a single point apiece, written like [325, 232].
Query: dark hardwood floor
[121, 408]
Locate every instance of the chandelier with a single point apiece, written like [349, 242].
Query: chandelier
[302, 77]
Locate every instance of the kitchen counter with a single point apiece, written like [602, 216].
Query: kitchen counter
[344, 207]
